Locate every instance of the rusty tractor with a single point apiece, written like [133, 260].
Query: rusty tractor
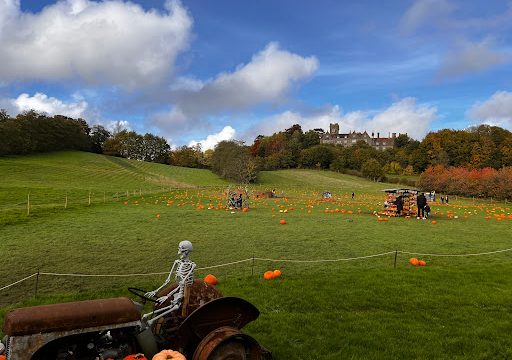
[207, 327]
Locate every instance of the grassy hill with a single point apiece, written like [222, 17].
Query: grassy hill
[50, 178]
[456, 307]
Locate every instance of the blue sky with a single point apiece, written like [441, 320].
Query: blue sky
[204, 71]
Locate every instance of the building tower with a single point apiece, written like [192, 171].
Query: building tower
[334, 129]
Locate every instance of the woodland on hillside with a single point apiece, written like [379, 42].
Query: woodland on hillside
[479, 147]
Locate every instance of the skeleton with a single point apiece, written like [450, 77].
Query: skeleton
[184, 276]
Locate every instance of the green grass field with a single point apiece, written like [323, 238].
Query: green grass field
[453, 308]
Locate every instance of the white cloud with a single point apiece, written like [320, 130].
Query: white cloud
[472, 57]
[106, 42]
[267, 78]
[116, 126]
[403, 116]
[423, 11]
[497, 110]
[49, 105]
[228, 133]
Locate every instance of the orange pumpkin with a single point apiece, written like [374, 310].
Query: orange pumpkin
[245, 209]
[414, 261]
[268, 275]
[211, 279]
[2, 357]
[282, 221]
[277, 273]
[422, 262]
[434, 222]
[135, 357]
[169, 355]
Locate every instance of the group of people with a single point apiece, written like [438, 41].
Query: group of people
[236, 202]
[421, 203]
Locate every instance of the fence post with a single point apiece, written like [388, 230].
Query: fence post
[66, 201]
[28, 204]
[89, 197]
[37, 283]
[396, 254]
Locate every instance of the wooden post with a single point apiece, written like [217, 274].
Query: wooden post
[28, 204]
[66, 201]
[37, 284]
[89, 197]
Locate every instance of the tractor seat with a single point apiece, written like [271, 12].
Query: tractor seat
[70, 316]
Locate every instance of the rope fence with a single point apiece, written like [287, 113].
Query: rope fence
[253, 259]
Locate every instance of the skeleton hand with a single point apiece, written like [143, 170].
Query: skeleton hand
[161, 300]
[150, 294]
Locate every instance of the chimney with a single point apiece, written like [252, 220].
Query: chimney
[378, 135]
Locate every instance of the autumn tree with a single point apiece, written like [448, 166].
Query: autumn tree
[232, 160]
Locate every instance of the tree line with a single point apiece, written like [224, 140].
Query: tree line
[478, 147]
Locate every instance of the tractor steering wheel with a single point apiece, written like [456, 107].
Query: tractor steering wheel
[141, 293]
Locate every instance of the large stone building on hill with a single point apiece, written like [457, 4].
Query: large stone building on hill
[334, 137]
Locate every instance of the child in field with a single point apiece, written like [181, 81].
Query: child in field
[426, 210]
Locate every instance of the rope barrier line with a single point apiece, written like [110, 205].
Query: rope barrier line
[102, 275]
[457, 255]
[256, 259]
[327, 260]
[17, 282]
[231, 263]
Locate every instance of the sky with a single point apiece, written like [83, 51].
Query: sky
[198, 71]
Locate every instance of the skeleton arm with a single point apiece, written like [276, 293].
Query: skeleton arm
[167, 281]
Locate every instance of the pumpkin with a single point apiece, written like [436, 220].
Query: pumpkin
[169, 355]
[414, 261]
[282, 221]
[245, 209]
[268, 275]
[135, 357]
[210, 279]
[434, 222]
[277, 273]
[158, 216]
[422, 262]
[2, 357]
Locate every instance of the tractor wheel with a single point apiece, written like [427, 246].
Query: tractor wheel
[227, 343]
[229, 350]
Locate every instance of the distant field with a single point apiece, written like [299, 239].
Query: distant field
[454, 308]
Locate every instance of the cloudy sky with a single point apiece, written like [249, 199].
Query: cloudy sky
[203, 71]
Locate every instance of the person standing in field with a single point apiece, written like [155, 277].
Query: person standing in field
[399, 202]
[421, 201]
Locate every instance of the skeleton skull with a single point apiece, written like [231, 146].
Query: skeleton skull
[184, 248]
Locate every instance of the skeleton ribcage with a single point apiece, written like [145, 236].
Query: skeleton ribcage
[183, 269]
